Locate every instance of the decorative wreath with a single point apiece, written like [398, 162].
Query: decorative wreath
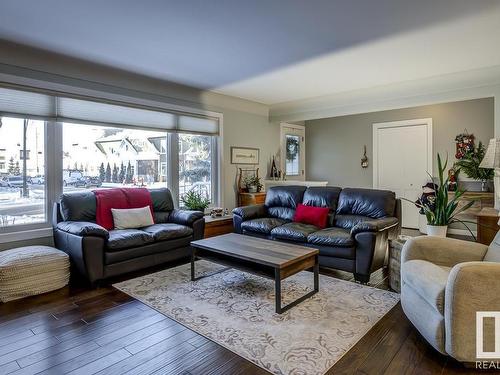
[465, 143]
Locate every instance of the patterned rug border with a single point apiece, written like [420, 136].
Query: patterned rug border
[116, 286]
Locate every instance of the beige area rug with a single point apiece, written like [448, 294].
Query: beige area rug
[236, 310]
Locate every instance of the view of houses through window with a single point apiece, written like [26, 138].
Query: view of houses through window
[99, 156]
[195, 164]
[93, 157]
[22, 171]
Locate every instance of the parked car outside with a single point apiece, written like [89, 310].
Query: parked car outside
[38, 180]
[15, 181]
[88, 182]
[71, 176]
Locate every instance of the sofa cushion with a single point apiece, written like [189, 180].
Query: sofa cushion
[333, 236]
[162, 232]
[293, 231]
[132, 218]
[349, 221]
[281, 201]
[78, 206]
[323, 196]
[316, 216]
[126, 238]
[262, 225]
[367, 202]
[162, 199]
[158, 247]
[428, 280]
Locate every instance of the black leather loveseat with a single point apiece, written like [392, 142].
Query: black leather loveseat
[360, 222]
[98, 253]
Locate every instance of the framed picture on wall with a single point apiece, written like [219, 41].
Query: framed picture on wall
[244, 155]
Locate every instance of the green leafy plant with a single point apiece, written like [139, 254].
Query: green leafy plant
[195, 201]
[253, 181]
[444, 210]
[469, 164]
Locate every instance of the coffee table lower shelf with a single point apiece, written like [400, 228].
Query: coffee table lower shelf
[273, 273]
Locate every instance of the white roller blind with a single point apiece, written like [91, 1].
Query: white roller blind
[74, 110]
[65, 109]
[198, 125]
[19, 103]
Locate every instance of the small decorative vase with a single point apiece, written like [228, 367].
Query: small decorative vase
[485, 186]
[252, 189]
[437, 230]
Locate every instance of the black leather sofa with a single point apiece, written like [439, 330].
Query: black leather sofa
[360, 222]
[99, 254]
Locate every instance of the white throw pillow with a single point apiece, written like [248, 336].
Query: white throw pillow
[132, 218]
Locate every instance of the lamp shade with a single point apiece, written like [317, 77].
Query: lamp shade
[492, 157]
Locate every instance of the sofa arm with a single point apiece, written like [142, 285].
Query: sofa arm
[442, 251]
[83, 228]
[250, 212]
[86, 253]
[471, 287]
[375, 225]
[185, 217]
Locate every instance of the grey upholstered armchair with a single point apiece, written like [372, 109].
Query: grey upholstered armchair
[444, 283]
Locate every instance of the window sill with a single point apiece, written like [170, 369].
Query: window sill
[26, 235]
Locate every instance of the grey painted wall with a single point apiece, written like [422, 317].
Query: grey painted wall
[245, 124]
[334, 145]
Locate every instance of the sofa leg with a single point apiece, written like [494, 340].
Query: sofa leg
[360, 278]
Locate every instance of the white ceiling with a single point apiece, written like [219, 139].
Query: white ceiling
[269, 51]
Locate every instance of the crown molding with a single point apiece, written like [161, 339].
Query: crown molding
[447, 88]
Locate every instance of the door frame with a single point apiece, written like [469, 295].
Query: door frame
[399, 124]
[302, 176]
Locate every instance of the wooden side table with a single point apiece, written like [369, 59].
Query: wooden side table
[487, 225]
[247, 199]
[395, 248]
[215, 226]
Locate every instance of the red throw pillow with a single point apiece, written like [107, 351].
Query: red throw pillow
[317, 216]
[138, 198]
[106, 199]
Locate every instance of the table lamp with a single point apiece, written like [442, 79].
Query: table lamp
[492, 160]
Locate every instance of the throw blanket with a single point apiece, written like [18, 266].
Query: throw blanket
[122, 198]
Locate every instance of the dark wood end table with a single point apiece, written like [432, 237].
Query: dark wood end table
[270, 259]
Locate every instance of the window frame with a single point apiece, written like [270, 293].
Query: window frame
[54, 162]
[10, 233]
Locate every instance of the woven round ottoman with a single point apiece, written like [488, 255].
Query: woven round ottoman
[31, 270]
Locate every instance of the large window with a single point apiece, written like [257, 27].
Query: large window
[102, 156]
[22, 172]
[103, 144]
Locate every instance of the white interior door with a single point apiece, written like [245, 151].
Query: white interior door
[402, 159]
[293, 152]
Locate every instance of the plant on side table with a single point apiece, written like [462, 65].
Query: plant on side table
[253, 184]
[195, 201]
[470, 162]
[441, 212]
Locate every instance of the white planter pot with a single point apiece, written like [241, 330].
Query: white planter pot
[437, 230]
[422, 224]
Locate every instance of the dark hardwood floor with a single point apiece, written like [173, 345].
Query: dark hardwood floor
[86, 331]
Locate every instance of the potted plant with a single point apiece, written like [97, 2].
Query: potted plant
[253, 184]
[195, 201]
[469, 164]
[440, 211]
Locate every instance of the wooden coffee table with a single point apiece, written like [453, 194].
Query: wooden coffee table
[270, 259]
